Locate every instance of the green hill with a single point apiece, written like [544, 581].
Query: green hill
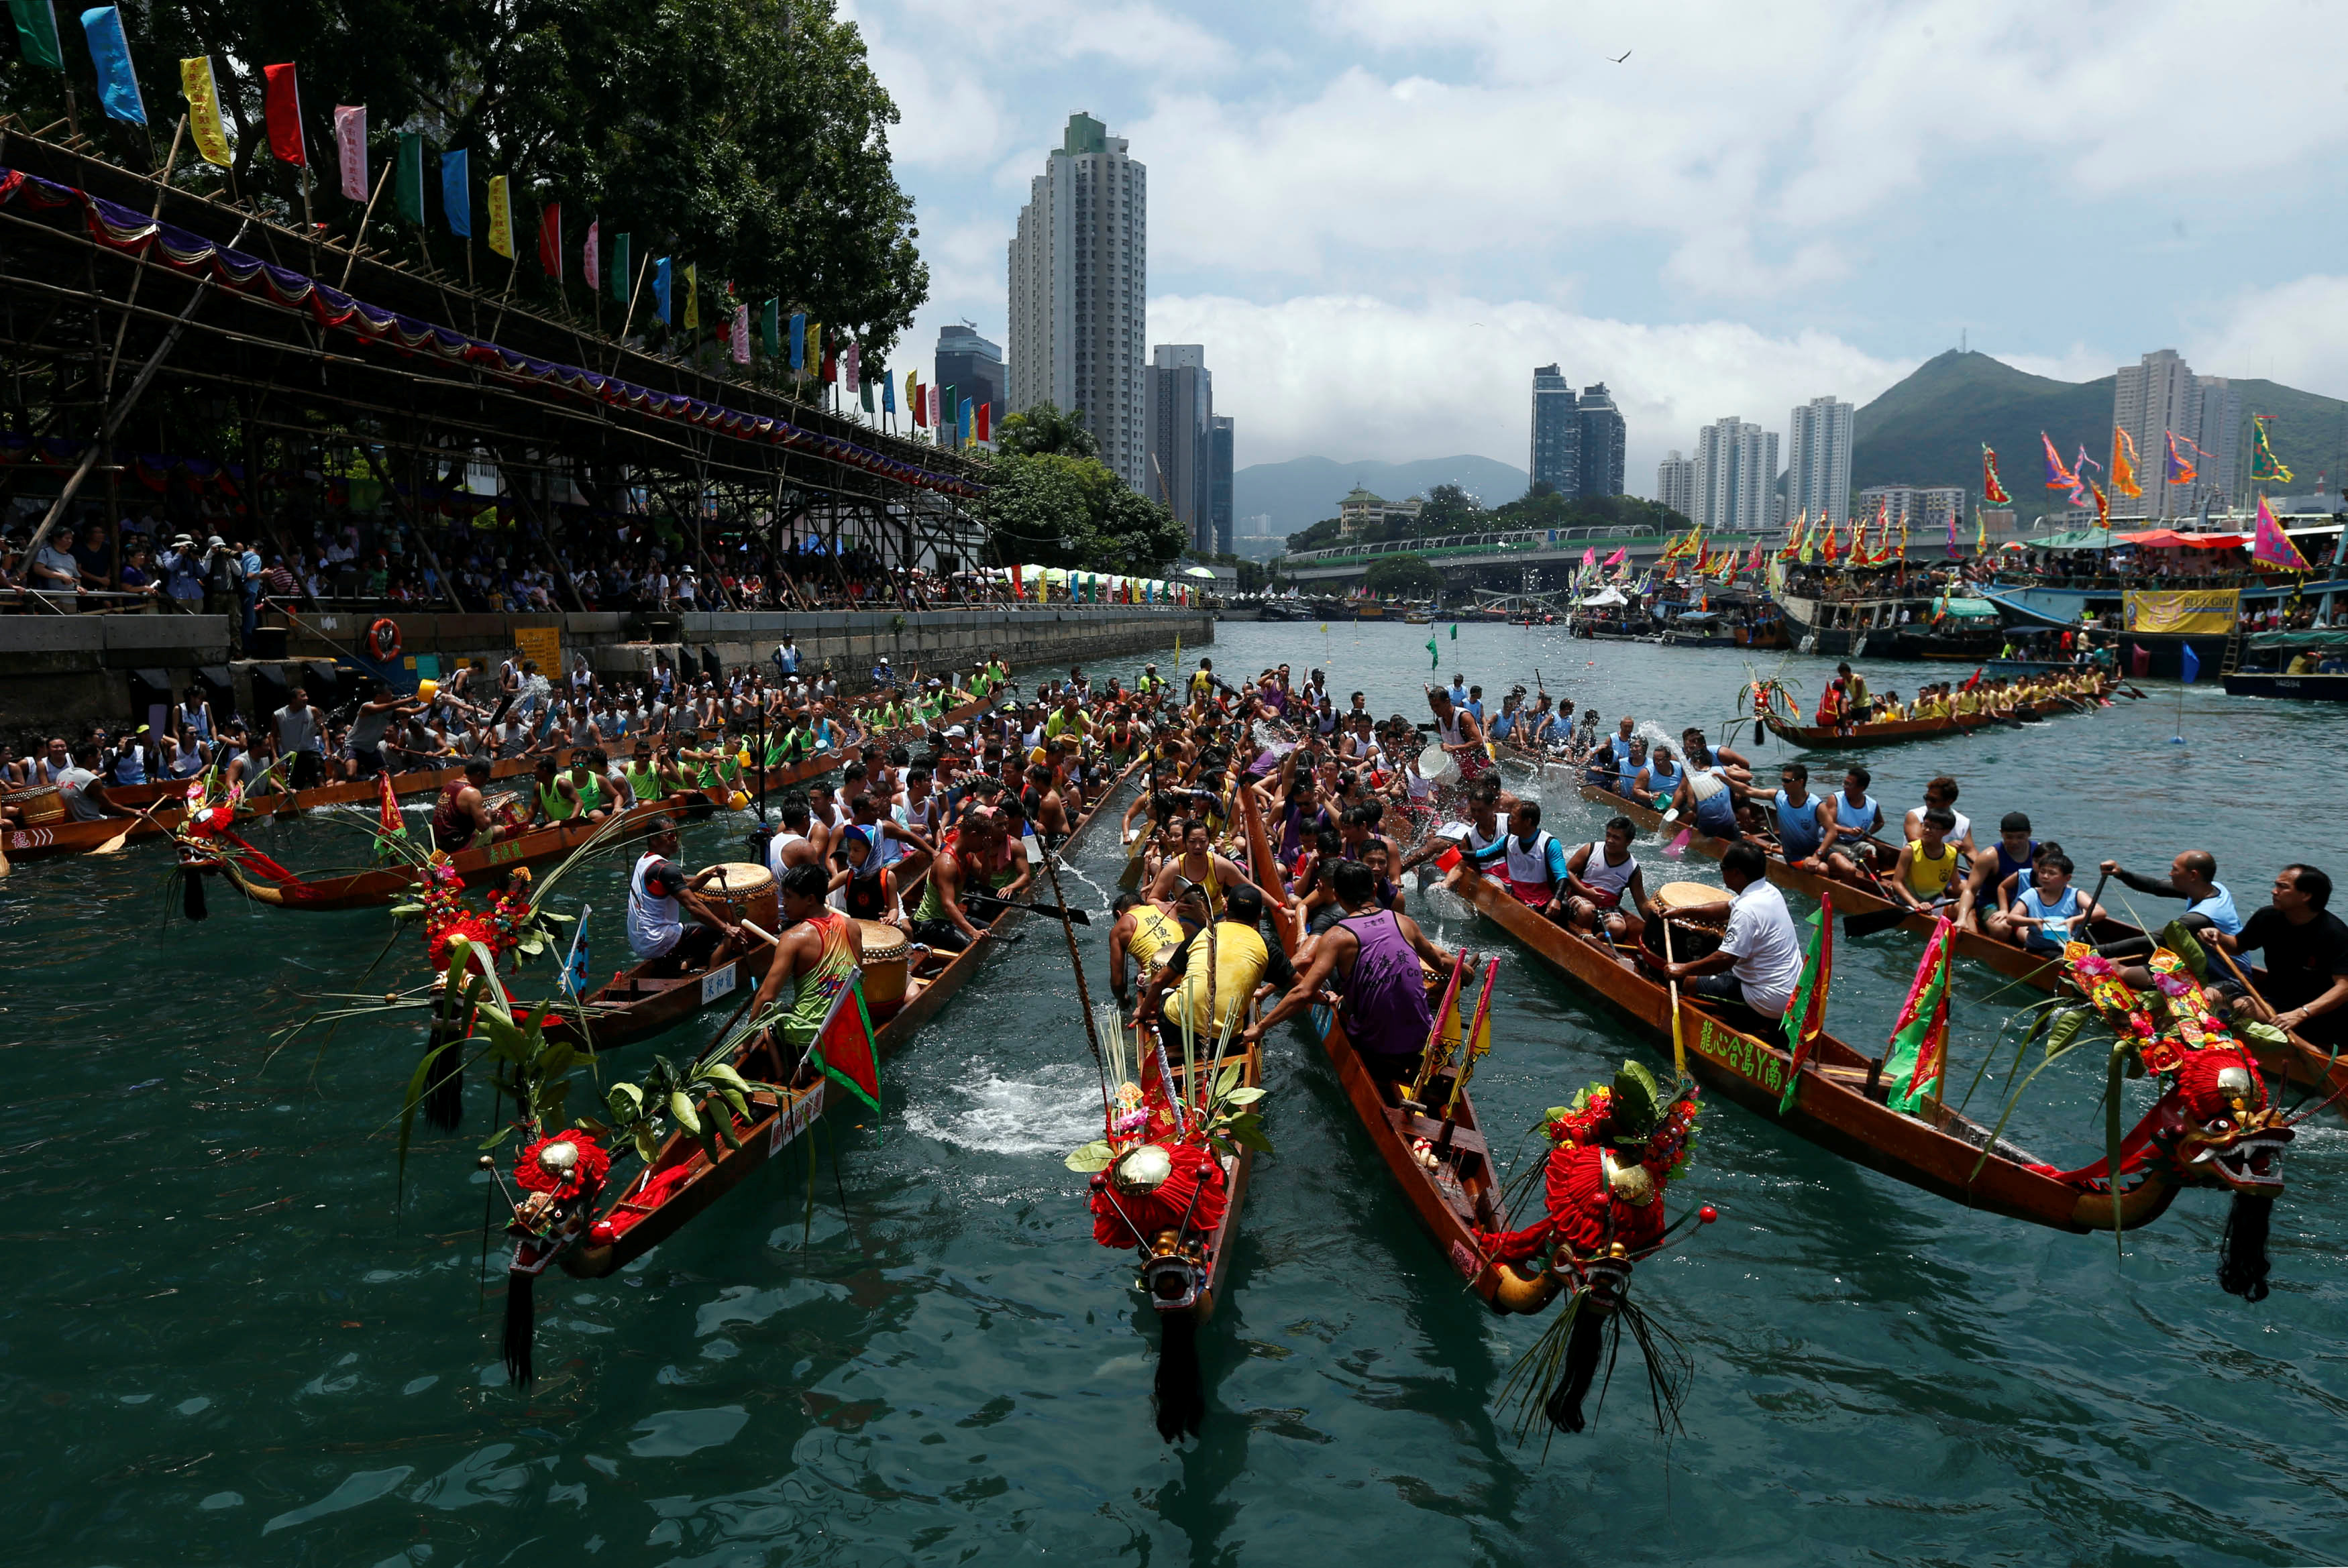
[1929, 428]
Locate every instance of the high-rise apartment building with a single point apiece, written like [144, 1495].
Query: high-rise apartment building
[1925, 511]
[1079, 292]
[1601, 437]
[2152, 398]
[1179, 412]
[1735, 478]
[1676, 484]
[2218, 465]
[1220, 444]
[971, 366]
[1557, 432]
[1818, 460]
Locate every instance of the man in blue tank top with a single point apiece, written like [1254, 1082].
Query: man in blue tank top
[2016, 851]
[1853, 817]
[1801, 832]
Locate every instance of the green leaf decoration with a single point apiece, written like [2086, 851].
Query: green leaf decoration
[1093, 1157]
[2179, 939]
[680, 1106]
[1244, 1096]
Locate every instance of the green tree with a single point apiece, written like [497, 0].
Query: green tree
[1052, 508]
[1407, 575]
[1449, 509]
[747, 137]
[1044, 429]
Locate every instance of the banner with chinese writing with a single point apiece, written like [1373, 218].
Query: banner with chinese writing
[2199, 612]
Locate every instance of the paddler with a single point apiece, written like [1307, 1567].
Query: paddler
[1857, 698]
[1533, 861]
[1372, 958]
[1603, 886]
[460, 818]
[656, 889]
[2192, 877]
[1942, 793]
[1803, 820]
[1214, 972]
[1198, 863]
[1459, 734]
[2016, 851]
[1759, 961]
[815, 953]
[1146, 930]
[1857, 816]
[1928, 864]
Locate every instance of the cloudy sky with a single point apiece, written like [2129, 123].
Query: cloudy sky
[1379, 215]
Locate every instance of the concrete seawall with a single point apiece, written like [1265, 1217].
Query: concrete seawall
[62, 673]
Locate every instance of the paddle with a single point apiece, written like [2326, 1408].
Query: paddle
[114, 846]
[1056, 911]
[1679, 1046]
[1868, 924]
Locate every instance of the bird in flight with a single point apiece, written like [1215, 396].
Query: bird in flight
[1618, 59]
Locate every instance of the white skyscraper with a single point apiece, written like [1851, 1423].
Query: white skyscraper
[1676, 484]
[1818, 460]
[2156, 395]
[1735, 478]
[1079, 287]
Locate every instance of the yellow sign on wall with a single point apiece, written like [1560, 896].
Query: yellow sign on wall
[542, 644]
[2199, 612]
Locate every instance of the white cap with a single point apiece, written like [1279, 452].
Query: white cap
[957, 733]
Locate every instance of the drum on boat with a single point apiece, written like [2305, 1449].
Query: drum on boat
[40, 806]
[746, 892]
[887, 955]
[1699, 917]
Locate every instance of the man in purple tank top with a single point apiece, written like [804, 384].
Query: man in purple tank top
[1372, 958]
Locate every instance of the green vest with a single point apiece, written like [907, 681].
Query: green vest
[551, 803]
[645, 783]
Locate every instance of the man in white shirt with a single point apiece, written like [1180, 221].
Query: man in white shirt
[298, 738]
[1759, 961]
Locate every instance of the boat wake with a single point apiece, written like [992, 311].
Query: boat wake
[1050, 1110]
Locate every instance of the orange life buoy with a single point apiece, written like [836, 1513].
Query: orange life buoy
[383, 639]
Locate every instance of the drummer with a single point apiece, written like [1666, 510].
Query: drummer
[657, 887]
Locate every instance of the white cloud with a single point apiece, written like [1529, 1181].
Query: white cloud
[2295, 333]
[1349, 376]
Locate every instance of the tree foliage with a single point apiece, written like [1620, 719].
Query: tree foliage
[1056, 508]
[1407, 575]
[747, 137]
[1045, 428]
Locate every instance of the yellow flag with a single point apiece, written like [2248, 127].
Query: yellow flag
[815, 348]
[692, 299]
[203, 110]
[501, 218]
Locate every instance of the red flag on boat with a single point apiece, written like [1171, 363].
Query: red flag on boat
[282, 104]
[1993, 491]
[1972, 680]
[1807, 1015]
[844, 1046]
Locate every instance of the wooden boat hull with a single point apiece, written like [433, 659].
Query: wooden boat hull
[2301, 688]
[780, 1119]
[1459, 1146]
[1817, 738]
[2302, 1063]
[474, 867]
[1833, 1109]
[635, 1005]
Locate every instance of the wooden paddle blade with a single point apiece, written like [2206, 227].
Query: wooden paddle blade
[1868, 924]
[114, 846]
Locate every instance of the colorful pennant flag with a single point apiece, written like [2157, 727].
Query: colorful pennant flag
[2270, 545]
[282, 104]
[591, 258]
[1920, 1041]
[661, 290]
[850, 380]
[501, 217]
[986, 422]
[1993, 491]
[887, 392]
[915, 403]
[350, 149]
[770, 329]
[692, 298]
[110, 51]
[2266, 468]
[623, 266]
[203, 106]
[549, 241]
[798, 341]
[740, 336]
[2058, 477]
[2182, 469]
[843, 1047]
[2123, 474]
[408, 177]
[37, 33]
[456, 191]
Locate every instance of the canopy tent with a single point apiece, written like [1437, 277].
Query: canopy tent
[1604, 596]
[2310, 639]
[2076, 539]
[1965, 609]
[2169, 539]
[1199, 571]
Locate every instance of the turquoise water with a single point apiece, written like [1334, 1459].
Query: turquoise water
[223, 1346]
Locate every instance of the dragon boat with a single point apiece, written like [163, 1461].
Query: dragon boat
[2303, 1064]
[2213, 1125]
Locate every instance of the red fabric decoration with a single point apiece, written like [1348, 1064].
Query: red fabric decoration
[1130, 1220]
[586, 1173]
[2196, 1082]
[549, 241]
[284, 105]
